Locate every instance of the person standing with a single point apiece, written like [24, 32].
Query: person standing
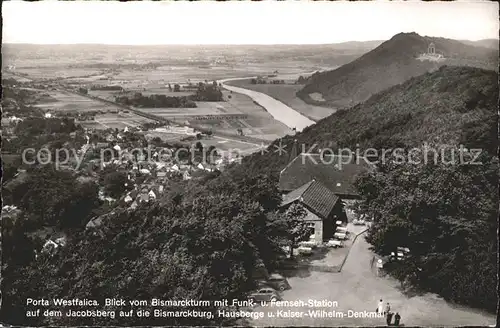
[387, 308]
[397, 319]
[389, 318]
[380, 308]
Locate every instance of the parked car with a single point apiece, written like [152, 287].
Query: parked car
[276, 281]
[342, 229]
[340, 235]
[265, 295]
[309, 243]
[335, 243]
[304, 250]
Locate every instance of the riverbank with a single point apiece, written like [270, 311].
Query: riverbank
[286, 93]
[278, 110]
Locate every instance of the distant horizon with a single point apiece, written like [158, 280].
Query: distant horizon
[242, 23]
[226, 45]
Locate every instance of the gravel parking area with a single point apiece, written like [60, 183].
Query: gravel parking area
[356, 290]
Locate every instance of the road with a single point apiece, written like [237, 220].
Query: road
[278, 110]
[357, 288]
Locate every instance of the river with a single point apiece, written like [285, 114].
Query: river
[281, 112]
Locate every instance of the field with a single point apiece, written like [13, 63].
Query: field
[59, 100]
[222, 144]
[7, 75]
[56, 72]
[67, 101]
[180, 74]
[145, 91]
[98, 69]
[286, 94]
[104, 94]
[257, 124]
[120, 121]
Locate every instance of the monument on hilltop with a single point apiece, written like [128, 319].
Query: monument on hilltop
[431, 54]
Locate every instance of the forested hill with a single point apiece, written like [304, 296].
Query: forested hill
[445, 211]
[486, 43]
[454, 105]
[391, 63]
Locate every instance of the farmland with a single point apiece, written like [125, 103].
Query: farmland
[150, 71]
[222, 144]
[258, 123]
[56, 72]
[60, 100]
[114, 121]
[109, 116]
[120, 120]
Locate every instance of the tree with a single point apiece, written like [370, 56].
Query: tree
[79, 204]
[150, 254]
[233, 223]
[297, 228]
[199, 146]
[45, 193]
[115, 184]
[9, 169]
[446, 215]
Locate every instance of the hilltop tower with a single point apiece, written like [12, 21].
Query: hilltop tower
[431, 50]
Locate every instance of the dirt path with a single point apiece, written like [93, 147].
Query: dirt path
[357, 289]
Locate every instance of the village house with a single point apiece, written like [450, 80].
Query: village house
[322, 185]
[162, 172]
[143, 194]
[110, 137]
[101, 145]
[322, 206]
[145, 171]
[95, 223]
[174, 168]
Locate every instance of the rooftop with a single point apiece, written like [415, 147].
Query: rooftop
[314, 196]
[337, 173]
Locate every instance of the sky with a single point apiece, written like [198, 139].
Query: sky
[267, 22]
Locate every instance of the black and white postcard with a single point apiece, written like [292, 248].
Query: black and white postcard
[242, 163]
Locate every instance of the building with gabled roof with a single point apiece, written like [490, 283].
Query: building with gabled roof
[314, 196]
[337, 173]
[323, 208]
